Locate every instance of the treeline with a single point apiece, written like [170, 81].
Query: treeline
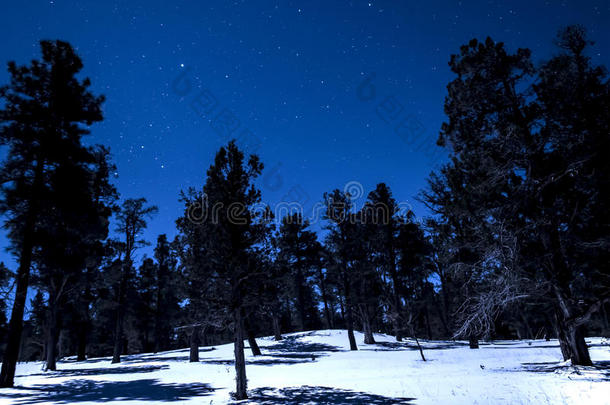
[517, 246]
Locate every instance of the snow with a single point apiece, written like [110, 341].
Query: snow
[317, 367]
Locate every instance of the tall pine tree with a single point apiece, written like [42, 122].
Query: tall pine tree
[47, 110]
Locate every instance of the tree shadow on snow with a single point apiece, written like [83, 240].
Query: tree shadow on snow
[319, 395]
[257, 362]
[600, 371]
[395, 346]
[292, 344]
[76, 372]
[103, 391]
[139, 358]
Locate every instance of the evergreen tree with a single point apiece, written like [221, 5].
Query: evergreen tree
[204, 305]
[380, 212]
[275, 284]
[144, 307]
[527, 165]
[166, 297]
[47, 110]
[343, 243]
[299, 253]
[75, 221]
[131, 221]
[223, 232]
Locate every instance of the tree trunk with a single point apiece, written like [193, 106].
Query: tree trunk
[369, 339]
[194, 353]
[329, 321]
[256, 351]
[571, 336]
[396, 304]
[15, 326]
[160, 337]
[473, 342]
[241, 383]
[446, 307]
[276, 327]
[396, 308]
[443, 319]
[81, 351]
[397, 331]
[349, 316]
[118, 338]
[118, 330]
[11, 351]
[572, 343]
[526, 326]
[604, 314]
[52, 337]
[421, 351]
[300, 302]
[85, 317]
[350, 329]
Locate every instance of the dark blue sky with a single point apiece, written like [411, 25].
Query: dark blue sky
[286, 72]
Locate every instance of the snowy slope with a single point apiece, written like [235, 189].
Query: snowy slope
[317, 367]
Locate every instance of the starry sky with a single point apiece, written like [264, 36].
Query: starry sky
[326, 92]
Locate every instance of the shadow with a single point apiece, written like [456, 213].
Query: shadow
[143, 358]
[258, 362]
[103, 391]
[319, 395]
[291, 344]
[76, 372]
[395, 346]
[519, 347]
[600, 371]
[180, 355]
[87, 361]
[305, 356]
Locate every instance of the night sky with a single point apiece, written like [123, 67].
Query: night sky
[291, 80]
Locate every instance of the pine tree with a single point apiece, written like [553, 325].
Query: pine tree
[47, 110]
[204, 307]
[522, 192]
[342, 242]
[144, 308]
[131, 220]
[223, 231]
[380, 212]
[166, 294]
[299, 253]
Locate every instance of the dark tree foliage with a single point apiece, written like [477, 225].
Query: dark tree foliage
[47, 110]
[35, 330]
[299, 255]
[131, 220]
[167, 293]
[75, 222]
[521, 200]
[222, 231]
[5, 276]
[381, 215]
[156, 300]
[343, 243]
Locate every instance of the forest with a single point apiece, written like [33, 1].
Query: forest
[516, 243]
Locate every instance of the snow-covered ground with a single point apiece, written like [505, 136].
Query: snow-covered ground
[317, 368]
